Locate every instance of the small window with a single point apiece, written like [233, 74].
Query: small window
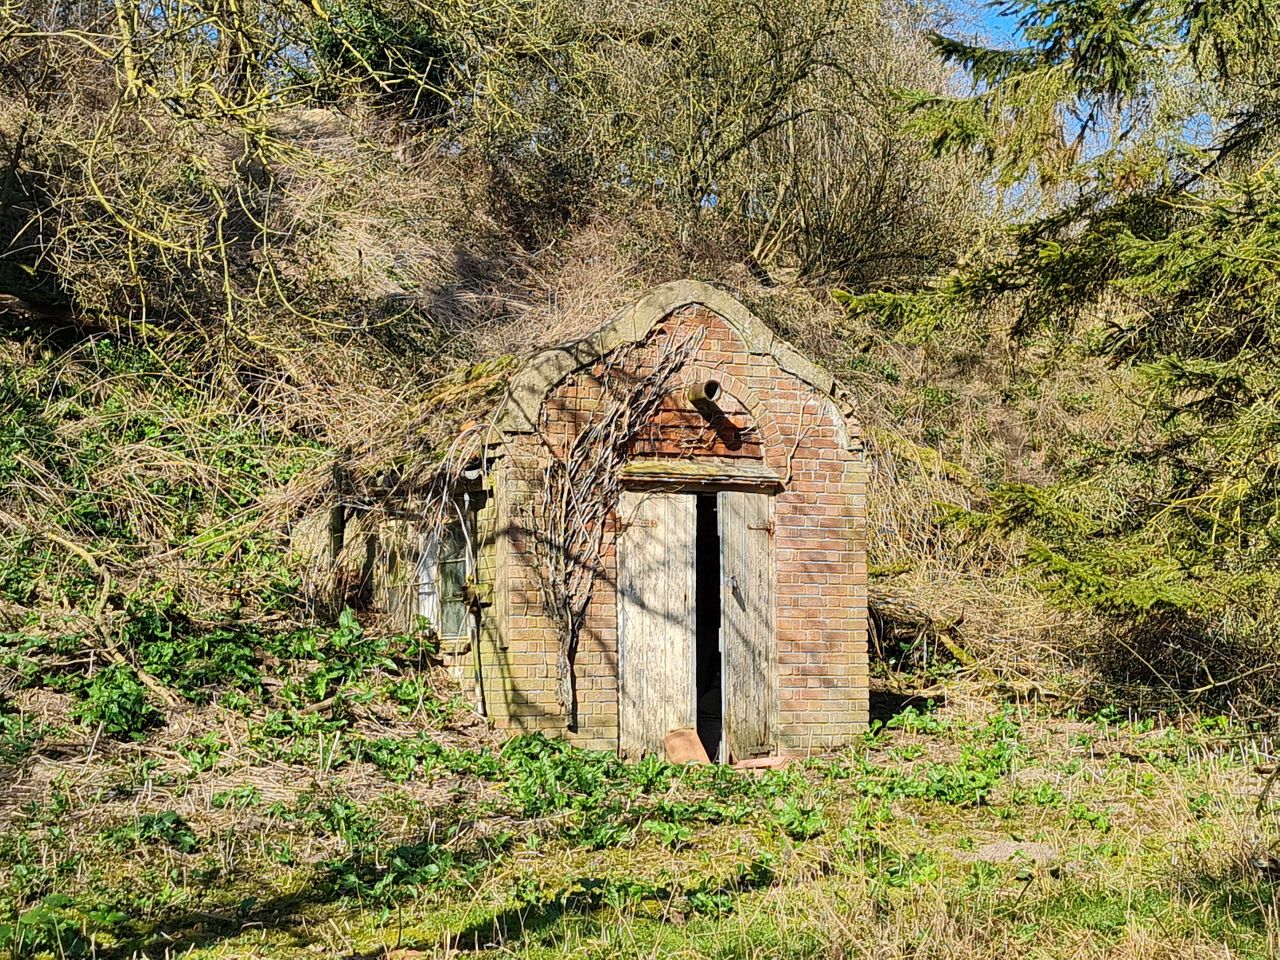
[452, 579]
[445, 566]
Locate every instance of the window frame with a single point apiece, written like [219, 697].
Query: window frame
[454, 532]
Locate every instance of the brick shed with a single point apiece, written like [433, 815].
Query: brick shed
[661, 527]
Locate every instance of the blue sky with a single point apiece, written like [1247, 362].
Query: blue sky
[1000, 28]
[974, 16]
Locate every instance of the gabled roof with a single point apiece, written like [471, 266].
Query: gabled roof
[544, 371]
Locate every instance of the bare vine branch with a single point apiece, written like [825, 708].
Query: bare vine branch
[580, 490]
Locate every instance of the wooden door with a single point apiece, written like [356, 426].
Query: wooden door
[656, 665]
[747, 632]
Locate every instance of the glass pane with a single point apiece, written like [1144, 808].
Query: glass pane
[453, 616]
[453, 545]
[451, 572]
[453, 579]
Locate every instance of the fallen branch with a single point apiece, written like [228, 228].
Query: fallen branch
[97, 617]
[891, 606]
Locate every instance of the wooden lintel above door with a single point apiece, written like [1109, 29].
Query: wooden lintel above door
[690, 471]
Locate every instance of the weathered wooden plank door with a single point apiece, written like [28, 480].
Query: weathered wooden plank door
[747, 632]
[656, 665]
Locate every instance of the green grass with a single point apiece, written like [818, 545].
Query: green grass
[947, 833]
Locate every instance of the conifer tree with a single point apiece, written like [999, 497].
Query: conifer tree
[1148, 132]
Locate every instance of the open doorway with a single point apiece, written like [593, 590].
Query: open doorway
[708, 682]
[696, 639]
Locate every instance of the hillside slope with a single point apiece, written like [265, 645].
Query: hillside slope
[251, 265]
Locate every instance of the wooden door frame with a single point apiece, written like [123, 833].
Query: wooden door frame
[753, 485]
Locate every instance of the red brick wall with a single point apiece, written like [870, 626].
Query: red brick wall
[819, 550]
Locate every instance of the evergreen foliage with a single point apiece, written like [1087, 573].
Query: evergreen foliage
[401, 54]
[1164, 222]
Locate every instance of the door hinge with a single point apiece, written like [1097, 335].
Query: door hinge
[761, 526]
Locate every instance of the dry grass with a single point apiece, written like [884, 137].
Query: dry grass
[943, 417]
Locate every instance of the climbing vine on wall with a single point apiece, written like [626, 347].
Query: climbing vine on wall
[581, 483]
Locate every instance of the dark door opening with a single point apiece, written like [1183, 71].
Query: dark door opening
[707, 626]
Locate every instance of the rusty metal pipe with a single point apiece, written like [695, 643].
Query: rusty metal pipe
[702, 393]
